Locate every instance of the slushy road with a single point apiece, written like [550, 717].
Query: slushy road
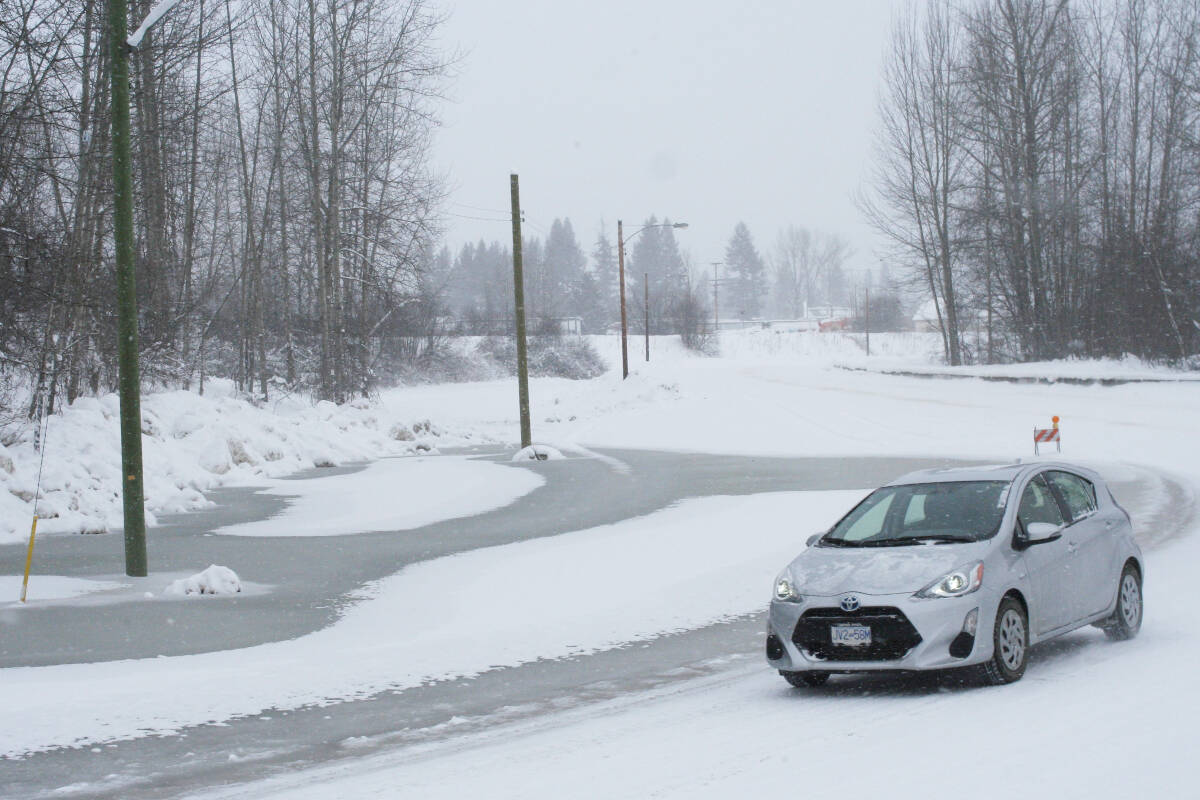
[312, 576]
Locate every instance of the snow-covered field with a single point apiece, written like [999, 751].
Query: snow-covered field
[195, 443]
[1089, 719]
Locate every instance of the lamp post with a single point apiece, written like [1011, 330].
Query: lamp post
[646, 285]
[621, 278]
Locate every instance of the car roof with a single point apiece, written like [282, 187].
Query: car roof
[988, 472]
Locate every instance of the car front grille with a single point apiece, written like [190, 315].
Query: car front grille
[892, 635]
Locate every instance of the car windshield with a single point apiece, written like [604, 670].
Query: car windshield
[961, 511]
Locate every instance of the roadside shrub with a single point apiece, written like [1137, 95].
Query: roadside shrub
[549, 356]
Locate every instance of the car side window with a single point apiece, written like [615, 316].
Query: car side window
[1078, 493]
[1038, 504]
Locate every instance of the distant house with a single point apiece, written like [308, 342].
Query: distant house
[925, 318]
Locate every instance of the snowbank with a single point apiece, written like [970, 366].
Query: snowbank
[391, 495]
[191, 444]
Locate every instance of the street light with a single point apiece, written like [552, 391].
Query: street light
[621, 268]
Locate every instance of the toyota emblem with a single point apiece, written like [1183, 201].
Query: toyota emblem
[850, 602]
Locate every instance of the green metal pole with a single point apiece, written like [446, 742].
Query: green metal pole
[519, 290]
[127, 322]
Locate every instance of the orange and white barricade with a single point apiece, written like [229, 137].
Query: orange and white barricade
[1045, 436]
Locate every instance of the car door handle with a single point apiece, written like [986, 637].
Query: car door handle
[1108, 523]
[1072, 547]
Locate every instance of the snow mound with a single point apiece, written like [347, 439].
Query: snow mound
[538, 452]
[193, 443]
[214, 580]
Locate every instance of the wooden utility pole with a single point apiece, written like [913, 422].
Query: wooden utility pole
[716, 281]
[646, 278]
[621, 281]
[127, 315]
[519, 291]
[868, 325]
[716, 306]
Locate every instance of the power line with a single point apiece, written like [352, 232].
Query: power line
[478, 219]
[481, 208]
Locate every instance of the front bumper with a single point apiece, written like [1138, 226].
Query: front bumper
[907, 633]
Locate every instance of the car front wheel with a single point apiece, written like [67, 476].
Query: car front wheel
[1010, 640]
[805, 679]
[1126, 619]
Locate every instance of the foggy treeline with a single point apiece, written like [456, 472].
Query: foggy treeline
[803, 269]
[1038, 173]
[1039, 169]
[283, 197]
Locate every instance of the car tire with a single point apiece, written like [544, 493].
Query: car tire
[1010, 645]
[802, 680]
[1126, 619]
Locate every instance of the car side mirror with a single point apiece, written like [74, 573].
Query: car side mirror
[1041, 533]
[813, 539]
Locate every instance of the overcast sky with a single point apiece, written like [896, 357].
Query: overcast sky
[707, 112]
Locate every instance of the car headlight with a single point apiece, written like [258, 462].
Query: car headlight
[956, 583]
[785, 592]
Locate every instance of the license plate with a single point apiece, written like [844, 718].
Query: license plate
[850, 635]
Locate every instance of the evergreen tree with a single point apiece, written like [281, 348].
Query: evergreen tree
[655, 256]
[600, 298]
[565, 266]
[745, 266]
[539, 297]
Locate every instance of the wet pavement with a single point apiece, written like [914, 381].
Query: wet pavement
[308, 578]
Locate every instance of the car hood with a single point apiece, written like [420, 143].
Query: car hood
[829, 571]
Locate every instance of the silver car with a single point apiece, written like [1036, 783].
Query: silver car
[958, 568]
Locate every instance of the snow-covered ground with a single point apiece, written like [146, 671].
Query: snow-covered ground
[1089, 719]
[51, 587]
[192, 443]
[195, 443]
[390, 495]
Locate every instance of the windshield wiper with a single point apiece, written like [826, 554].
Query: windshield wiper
[929, 537]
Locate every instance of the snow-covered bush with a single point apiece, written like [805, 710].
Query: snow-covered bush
[549, 356]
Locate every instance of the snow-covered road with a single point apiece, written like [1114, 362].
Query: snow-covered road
[1090, 719]
[738, 728]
